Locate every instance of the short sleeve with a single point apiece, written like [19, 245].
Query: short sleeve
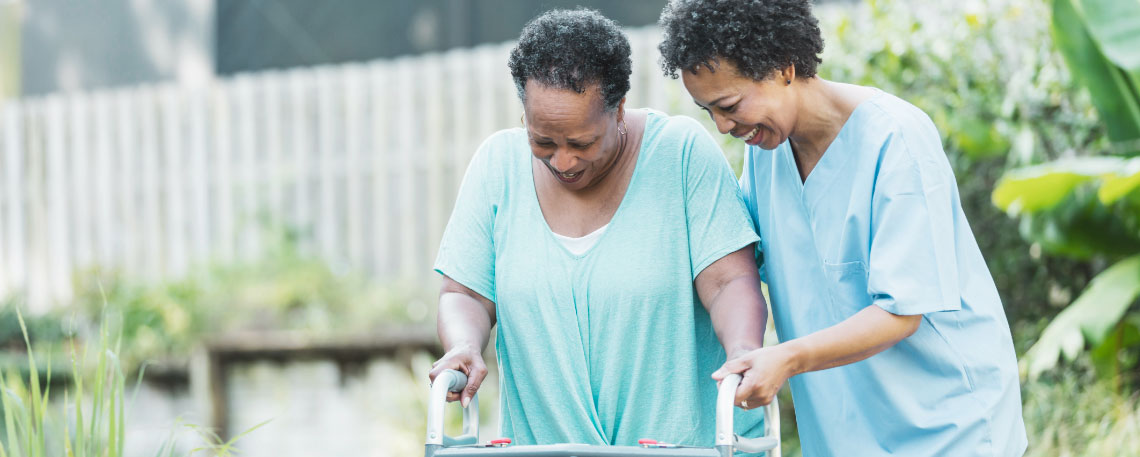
[912, 263]
[747, 185]
[467, 249]
[718, 223]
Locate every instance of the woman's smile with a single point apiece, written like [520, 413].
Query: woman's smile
[753, 138]
[568, 178]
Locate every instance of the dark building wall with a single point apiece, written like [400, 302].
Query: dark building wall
[69, 45]
[262, 34]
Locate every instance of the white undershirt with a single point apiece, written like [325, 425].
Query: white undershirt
[579, 245]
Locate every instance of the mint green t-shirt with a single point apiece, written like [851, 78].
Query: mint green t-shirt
[613, 345]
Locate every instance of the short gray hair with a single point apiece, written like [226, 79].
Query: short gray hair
[573, 49]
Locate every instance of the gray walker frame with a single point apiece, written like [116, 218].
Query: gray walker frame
[437, 444]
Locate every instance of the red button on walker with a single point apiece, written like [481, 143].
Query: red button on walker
[501, 442]
[646, 442]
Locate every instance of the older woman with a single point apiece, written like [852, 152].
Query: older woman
[593, 236]
[893, 334]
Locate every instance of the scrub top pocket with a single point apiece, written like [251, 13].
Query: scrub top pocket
[847, 285]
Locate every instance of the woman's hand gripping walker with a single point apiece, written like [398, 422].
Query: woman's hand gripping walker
[726, 442]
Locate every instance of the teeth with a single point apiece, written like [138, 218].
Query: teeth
[752, 134]
[568, 175]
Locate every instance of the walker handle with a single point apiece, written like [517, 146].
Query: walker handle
[449, 381]
[458, 380]
[727, 440]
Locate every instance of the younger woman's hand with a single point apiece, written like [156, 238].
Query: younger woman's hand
[763, 370]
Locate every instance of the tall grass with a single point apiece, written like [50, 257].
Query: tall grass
[96, 430]
[1069, 412]
[92, 422]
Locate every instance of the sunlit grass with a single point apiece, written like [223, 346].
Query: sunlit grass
[97, 430]
[92, 420]
[1071, 413]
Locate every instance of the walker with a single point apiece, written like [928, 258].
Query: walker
[467, 444]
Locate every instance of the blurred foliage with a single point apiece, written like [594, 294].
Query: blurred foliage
[90, 421]
[990, 78]
[282, 290]
[48, 326]
[1072, 413]
[1089, 207]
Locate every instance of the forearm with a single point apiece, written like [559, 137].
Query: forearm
[739, 315]
[463, 321]
[863, 335]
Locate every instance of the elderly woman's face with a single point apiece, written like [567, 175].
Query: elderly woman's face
[571, 133]
[761, 113]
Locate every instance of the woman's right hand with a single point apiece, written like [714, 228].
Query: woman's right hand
[468, 360]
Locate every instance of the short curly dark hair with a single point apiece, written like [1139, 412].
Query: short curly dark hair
[757, 36]
[573, 49]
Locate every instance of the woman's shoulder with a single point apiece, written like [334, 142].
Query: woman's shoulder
[671, 125]
[890, 121]
[892, 115]
[904, 135]
[497, 157]
[682, 134]
[500, 147]
[504, 141]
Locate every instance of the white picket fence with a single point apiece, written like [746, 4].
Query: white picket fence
[151, 180]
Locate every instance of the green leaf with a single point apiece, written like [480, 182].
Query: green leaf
[1078, 207]
[1089, 318]
[1115, 25]
[1041, 187]
[10, 418]
[1120, 184]
[1082, 228]
[1113, 89]
[977, 138]
[1110, 357]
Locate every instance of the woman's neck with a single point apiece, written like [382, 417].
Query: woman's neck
[823, 108]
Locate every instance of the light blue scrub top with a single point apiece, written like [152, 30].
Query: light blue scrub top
[612, 345]
[879, 222]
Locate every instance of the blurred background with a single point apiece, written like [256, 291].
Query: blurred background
[218, 217]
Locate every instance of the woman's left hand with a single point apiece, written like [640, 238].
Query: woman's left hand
[764, 371]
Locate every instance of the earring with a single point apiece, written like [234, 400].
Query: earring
[789, 82]
[622, 127]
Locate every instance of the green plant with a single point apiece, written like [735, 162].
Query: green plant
[284, 289]
[1089, 208]
[999, 92]
[97, 431]
[93, 419]
[1072, 413]
[215, 444]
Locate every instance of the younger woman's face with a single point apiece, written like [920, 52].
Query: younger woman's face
[762, 113]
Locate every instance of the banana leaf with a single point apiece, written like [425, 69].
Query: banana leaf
[1089, 319]
[1100, 41]
[1082, 207]
[1041, 187]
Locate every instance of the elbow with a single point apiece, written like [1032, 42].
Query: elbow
[910, 325]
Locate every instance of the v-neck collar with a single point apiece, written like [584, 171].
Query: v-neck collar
[832, 161]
